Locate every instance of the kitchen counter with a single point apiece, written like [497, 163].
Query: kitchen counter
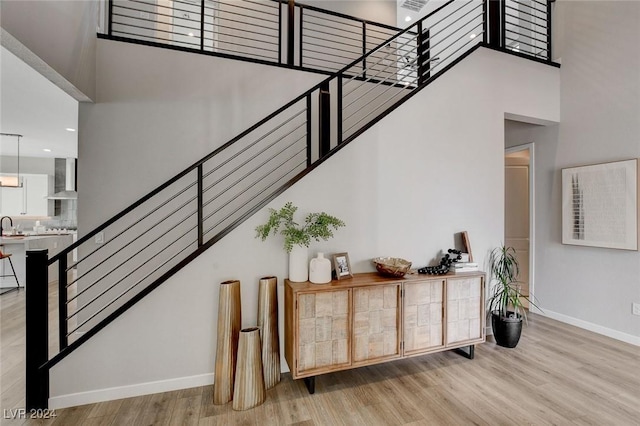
[18, 246]
[21, 239]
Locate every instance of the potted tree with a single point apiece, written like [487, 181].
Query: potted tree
[297, 238]
[505, 302]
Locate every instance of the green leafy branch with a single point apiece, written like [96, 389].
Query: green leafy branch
[316, 226]
[504, 270]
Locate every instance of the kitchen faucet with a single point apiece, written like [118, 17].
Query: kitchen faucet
[2, 220]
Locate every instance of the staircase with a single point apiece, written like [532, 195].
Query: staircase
[148, 242]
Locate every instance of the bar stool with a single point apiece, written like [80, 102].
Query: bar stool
[7, 256]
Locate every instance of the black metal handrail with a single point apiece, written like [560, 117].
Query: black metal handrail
[148, 242]
[262, 31]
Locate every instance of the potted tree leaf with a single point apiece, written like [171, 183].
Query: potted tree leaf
[505, 302]
[297, 237]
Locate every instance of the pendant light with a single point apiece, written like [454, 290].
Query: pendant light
[12, 181]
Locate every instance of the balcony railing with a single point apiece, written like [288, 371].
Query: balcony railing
[271, 31]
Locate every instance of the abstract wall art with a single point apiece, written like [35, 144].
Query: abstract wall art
[600, 205]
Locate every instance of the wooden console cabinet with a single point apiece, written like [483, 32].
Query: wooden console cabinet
[371, 319]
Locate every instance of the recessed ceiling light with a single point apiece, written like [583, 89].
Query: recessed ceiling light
[190, 34]
[46, 150]
[407, 19]
[472, 36]
[69, 129]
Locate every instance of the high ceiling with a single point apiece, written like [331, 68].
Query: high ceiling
[34, 107]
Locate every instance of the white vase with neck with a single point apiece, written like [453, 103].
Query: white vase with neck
[320, 270]
[298, 264]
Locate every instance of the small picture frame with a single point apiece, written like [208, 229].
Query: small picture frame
[342, 266]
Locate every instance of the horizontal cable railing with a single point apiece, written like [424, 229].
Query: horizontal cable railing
[526, 27]
[271, 31]
[432, 45]
[125, 258]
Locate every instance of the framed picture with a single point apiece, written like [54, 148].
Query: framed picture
[600, 205]
[342, 266]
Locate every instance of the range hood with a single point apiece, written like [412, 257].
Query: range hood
[65, 177]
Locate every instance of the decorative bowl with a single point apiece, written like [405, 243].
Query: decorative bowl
[392, 266]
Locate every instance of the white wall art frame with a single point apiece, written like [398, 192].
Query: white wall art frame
[600, 205]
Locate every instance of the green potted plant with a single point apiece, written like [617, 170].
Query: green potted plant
[505, 302]
[297, 237]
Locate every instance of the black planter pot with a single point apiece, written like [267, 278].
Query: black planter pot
[506, 330]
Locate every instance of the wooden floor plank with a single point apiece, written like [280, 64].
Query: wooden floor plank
[558, 374]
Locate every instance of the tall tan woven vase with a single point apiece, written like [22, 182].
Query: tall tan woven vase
[249, 391]
[229, 323]
[268, 325]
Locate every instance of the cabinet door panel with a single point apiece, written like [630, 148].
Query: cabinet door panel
[464, 309]
[36, 191]
[375, 322]
[423, 304]
[12, 201]
[323, 324]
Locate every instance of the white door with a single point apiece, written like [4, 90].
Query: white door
[517, 211]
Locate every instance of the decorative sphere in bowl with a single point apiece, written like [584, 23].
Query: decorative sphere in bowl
[392, 266]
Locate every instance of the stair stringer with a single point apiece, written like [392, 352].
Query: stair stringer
[431, 168]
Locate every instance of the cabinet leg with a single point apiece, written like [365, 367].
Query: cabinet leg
[310, 382]
[467, 354]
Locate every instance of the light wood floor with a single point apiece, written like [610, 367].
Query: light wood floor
[558, 375]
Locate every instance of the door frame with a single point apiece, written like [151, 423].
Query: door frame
[532, 231]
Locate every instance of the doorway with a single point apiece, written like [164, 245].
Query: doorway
[519, 212]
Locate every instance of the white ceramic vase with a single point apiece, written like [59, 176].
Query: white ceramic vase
[298, 264]
[320, 270]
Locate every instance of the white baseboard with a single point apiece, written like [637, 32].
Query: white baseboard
[614, 334]
[110, 394]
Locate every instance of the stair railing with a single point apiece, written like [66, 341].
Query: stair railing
[266, 31]
[526, 27]
[124, 259]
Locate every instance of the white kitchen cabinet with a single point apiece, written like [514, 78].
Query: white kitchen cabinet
[36, 189]
[11, 201]
[29, 200]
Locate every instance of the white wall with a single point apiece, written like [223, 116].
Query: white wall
[381, 11]
[62, 33]
[398, 187]
[158, 111]
[600, 108]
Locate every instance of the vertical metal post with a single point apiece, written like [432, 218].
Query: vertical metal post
[324, 123]
[62, 301]
[424, 54]
[485, 22]
[309, 130]
[200, 207]
[549, 57]
[290, 30]
[300, 28]
[364, 50]
[339, 113]
[110, 12]
[202, 25]
[279, 33]
[494, 23]
[503, 26]
[37, 329]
